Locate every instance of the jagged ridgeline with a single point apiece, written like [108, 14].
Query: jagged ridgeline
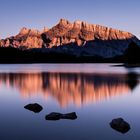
[78, 39]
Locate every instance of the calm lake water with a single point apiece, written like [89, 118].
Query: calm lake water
[97, 93]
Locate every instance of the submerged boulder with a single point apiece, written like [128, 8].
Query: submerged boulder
[58, 116]
[36, 108]
[120, 125]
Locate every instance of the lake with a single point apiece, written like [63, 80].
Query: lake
[97, 93]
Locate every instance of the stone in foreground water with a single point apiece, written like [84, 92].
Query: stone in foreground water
[58, 116]
[120, 125]
[36, 108]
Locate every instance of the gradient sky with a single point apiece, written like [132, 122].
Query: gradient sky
[120, 14]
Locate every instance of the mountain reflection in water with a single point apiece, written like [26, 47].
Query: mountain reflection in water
[70, 88]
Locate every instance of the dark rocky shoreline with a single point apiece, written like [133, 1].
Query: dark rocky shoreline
[10, 55]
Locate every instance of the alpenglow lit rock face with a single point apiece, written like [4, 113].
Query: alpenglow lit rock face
[93, 40]
[27, 38]
[81, 32]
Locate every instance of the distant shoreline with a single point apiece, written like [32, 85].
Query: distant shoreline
[16, 56]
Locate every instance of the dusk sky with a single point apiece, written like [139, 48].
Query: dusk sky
[119, 14]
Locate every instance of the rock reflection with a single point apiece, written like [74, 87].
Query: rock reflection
[69, 88]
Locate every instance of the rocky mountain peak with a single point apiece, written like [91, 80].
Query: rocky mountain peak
[24, 31]
[77, 24]
[34, 32]
[84, 25]
[64, 22]
[28, 32]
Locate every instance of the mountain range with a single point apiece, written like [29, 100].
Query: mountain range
[77, 39]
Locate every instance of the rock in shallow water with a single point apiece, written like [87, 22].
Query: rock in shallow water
[36, 108]
[120, 125]
[58, 116]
